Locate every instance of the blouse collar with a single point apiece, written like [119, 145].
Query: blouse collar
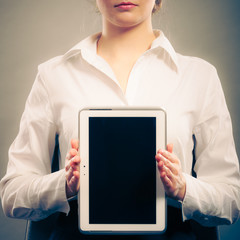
[90, 44]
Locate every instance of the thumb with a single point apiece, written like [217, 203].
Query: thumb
[75, 143]
[170, 147]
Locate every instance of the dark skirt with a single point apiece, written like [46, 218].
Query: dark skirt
[66, 227]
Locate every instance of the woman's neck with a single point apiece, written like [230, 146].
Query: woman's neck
[121, 47]
[121, 41]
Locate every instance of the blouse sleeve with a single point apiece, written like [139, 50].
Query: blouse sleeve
[213, 197]
[29, 190]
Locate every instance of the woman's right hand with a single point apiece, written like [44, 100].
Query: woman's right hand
[72, 168]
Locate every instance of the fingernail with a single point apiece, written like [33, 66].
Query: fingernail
[162, 152]
[161, 156]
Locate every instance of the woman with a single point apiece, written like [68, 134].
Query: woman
[127, 64]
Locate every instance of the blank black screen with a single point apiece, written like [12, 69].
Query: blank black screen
[122, 170]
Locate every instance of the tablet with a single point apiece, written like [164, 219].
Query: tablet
[120, 187]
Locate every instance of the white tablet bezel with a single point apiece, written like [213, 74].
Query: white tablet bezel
[83, 197]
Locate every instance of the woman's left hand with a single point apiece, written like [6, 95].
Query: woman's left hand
[169, 167]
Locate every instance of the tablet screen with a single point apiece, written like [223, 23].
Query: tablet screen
[122, 170]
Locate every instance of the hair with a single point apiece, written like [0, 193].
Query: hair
[157, 6]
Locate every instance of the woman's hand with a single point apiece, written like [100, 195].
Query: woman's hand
[72, 168]
[169, 167]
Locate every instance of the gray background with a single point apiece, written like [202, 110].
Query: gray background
[34, 31]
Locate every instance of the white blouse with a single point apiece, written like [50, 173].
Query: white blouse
[187, 87]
